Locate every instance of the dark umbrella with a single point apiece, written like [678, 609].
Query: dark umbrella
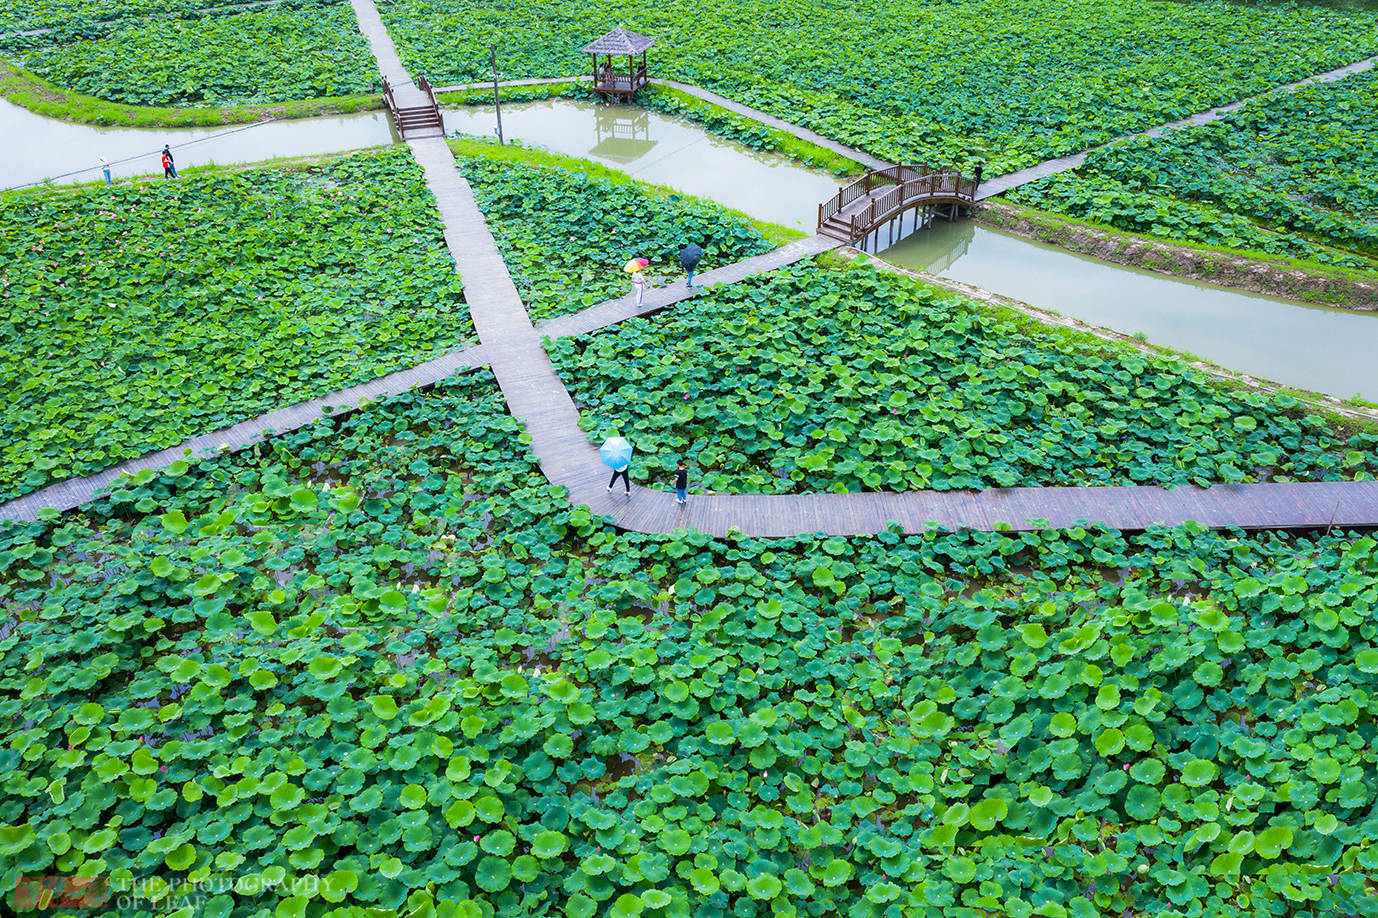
[690, 256]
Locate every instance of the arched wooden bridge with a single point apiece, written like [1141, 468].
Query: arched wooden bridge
[882, 195]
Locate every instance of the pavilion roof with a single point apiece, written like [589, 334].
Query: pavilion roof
[619, 41]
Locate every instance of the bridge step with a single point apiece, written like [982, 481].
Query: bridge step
[837, 228]
[421, 120]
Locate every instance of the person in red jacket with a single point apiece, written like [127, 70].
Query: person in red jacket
[169, 168]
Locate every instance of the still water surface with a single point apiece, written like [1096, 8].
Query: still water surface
[1328, 350]
[666, 151]
[38, 148]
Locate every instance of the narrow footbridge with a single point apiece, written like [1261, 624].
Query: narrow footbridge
[414, 109]
[882, 195]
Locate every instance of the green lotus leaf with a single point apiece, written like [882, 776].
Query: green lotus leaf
[498, 842]
[15, 839]
[304, 500]
[764, 886]
[324, 667]
[720, 733]
[1198, 772]
[704, 880]
[1272, 841]
[627, 905]
[836, 873]
[549, 844]
[338, 884]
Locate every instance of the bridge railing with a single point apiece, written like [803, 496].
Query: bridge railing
[906, 181]
[909, 186]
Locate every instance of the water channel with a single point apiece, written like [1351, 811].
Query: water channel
[1326, 350]
[663, 150]
[43, 148]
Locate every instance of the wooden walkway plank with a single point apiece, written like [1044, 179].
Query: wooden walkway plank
[511, 345]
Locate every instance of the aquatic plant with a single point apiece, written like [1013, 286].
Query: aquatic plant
[566, 235]
[811, 379]
[226, 57]
[1294, 175]
[1007, 82]
[381, 663]
[137, 316]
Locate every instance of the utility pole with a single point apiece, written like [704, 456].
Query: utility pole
[497, 101]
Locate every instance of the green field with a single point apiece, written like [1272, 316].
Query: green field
[386, 664]
[823, 380]
[261, 55]
[139, 316]
[940, 81]
[1294, 175]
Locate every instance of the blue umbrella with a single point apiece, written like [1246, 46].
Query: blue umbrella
[616, 453]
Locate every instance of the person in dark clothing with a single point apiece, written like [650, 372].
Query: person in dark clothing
[976, 174]
[689, 258]
[681, 483]
[626, 479]
[169, 168]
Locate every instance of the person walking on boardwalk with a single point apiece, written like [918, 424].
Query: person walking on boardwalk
[616, 454]
[681, 484]
[105, 170]
[634, 268]
[169, 167]
[689, 258]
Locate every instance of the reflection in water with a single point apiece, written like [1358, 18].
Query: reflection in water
[43, 148]
[1327, 350]
[623, 132]
[657, 148]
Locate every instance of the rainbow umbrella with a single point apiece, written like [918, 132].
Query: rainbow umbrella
[635, 265]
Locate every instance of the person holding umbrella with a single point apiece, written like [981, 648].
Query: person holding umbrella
[616, 454]
[634, 268]
[689, 258]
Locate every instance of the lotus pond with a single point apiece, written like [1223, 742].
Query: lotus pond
[812, 379]
[943, 81]
[565, 235]
[1294, 175]
[136, 316]
[381, 663]
[270, 54]
[17, 15]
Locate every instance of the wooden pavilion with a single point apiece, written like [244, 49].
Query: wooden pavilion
[620, 42]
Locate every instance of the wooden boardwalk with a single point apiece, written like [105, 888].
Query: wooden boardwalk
[535, 395]
[538, 398]
[1002, 183]
[72, 493]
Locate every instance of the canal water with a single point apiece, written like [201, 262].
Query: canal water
[1325, 350]
[663, 150]
[1328, 350]
[42, 148]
